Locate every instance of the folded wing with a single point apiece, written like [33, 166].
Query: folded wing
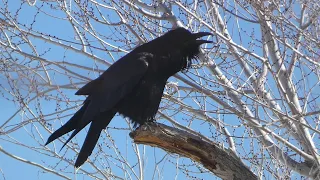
[103, 94]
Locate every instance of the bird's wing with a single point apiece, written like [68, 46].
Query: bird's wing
[124, 70]
[104, 92]
[116, 82]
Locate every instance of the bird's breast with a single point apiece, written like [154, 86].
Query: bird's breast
[142, 103]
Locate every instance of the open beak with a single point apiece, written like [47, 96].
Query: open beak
[201, 34]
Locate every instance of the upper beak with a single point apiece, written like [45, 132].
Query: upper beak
[201, 34]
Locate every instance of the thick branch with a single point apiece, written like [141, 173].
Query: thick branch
[221, 162]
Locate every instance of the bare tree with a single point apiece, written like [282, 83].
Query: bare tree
[254, 94]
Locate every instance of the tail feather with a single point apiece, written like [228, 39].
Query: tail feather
[75, 132]
[86, 114]
[97, 125]
[89, 143]
[71, 125]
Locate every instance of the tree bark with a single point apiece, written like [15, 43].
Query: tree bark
[221, 162]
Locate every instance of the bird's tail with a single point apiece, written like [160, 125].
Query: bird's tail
[97, 125]
[77, 123]
[72, 124]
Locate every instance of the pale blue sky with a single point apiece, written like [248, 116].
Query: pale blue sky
[14, 169]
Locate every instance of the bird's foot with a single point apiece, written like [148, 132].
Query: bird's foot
[148, 125]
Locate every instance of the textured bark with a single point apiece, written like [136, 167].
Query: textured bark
[221, 162]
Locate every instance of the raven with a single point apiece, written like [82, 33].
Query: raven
[132, 86]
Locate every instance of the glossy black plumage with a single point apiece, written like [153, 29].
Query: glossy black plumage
[132, 86]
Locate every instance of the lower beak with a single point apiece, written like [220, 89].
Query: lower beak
[200, 41]
[201, 34]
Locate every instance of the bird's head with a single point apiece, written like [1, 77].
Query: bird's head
[185, 44]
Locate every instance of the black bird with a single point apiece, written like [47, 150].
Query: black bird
[132, 86]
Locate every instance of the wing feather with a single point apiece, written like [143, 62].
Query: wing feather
[123, 71]
[113, 85]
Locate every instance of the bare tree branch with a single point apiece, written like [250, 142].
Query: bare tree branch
[221, 162]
